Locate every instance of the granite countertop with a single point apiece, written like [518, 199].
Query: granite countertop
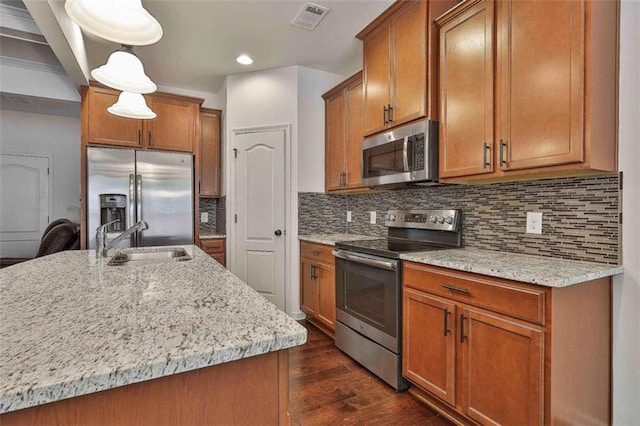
[546, 271]
[332, 239]
[211, 236]
[71, 325]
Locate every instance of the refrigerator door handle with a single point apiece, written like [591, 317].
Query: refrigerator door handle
[132, 207]
[140, 242]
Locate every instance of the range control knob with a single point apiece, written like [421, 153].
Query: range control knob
[433, 219]
[392, 217]
[449, 220]
[440, 219]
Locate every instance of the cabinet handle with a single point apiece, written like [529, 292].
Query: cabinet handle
[390, 113]
[384, 114]
[149, 137]
[485, 156]
[502, 147]
[139, 137]
[446, 322]
[456, 289]
[462, 336]
[313, 272]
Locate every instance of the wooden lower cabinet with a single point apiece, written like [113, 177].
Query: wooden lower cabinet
[318, 285]
[250, 391]
[471, 356]
[215, 248]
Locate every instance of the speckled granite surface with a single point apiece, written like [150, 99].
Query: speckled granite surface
[212, 236]
[71, 325]
[332, 239]
[547, 271]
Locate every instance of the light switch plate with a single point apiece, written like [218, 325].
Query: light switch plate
[372, 217]
[534, 223]
[204, 217]
[348, 215]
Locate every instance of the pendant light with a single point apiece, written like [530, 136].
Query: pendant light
[120, 21]
[131, 105]
[124, 71]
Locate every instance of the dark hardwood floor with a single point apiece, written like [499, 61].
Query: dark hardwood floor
[329, 388]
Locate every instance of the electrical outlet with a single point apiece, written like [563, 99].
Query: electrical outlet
[204, 217]
[534, 223]
[372, 217]
[348, 215]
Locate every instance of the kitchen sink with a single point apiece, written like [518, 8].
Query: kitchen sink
[156, 256]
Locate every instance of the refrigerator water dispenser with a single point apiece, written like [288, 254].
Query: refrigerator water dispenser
[113, 207]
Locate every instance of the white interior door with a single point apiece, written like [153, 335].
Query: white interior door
[259, 214]
[24, 203]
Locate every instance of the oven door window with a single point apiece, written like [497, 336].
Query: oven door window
[369, 294]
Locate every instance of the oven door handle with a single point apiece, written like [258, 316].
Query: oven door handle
[384, 264]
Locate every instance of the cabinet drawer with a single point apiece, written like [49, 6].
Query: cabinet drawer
[319, 252]
[212, 246]
[499, 295]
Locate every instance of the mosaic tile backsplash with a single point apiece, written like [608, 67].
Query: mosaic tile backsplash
[216, 207]
[580, 215]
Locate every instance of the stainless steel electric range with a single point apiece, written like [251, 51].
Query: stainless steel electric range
[369, 287]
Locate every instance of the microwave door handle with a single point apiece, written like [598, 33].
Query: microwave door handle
[405, 154]
[388, 265]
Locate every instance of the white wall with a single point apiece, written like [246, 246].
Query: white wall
[211, 100]
[290, 95]
[626, 288]
[54, 136]
[30, 79]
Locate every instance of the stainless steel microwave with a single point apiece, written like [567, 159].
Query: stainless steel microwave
[407, 154]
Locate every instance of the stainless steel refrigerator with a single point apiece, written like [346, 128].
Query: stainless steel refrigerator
[130, 185]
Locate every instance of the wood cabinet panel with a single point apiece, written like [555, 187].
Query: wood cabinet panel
[377, 78]
[216, 249]
[542, 82]
[326, 288]
[429, 325]
[334, 140]
[502, 370]
[104, 128]
[210, 160]
[409, 62]
[354, 129]
[174, 127]
[308, 289]
[466, 92]
[317, 252]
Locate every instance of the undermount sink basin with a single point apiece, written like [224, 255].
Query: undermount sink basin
[156, 256]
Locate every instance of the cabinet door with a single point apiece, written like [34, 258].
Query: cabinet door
[376, 78]
[354, 131]
[326, 287]
[210, 154]
[502, 370]
[428, 358]
[174, 127]
[542, 81]
[334, 140]
[409, 66]
[308, 294]
[104, 128]
[466, 92]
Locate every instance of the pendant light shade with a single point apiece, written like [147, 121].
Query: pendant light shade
[124, 71]
[120, 21]
[131, 105]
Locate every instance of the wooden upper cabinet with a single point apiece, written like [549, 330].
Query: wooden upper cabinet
[343, 135]
[174, 127]
[104, 128]
[542, 83]
[400, 58]
[466, 91]
[210, 159]
[554, 89]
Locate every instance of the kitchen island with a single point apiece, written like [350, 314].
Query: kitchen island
[160, 343]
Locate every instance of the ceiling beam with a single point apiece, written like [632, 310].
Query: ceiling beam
[64, 38]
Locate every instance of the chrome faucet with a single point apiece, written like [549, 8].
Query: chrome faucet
[101, 236]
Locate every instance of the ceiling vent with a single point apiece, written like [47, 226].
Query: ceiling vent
[310, 16]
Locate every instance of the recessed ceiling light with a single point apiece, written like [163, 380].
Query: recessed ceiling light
[244, 60]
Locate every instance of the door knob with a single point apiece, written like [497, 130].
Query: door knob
[278, 232]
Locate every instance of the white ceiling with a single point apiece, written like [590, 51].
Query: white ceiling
[202, 39]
